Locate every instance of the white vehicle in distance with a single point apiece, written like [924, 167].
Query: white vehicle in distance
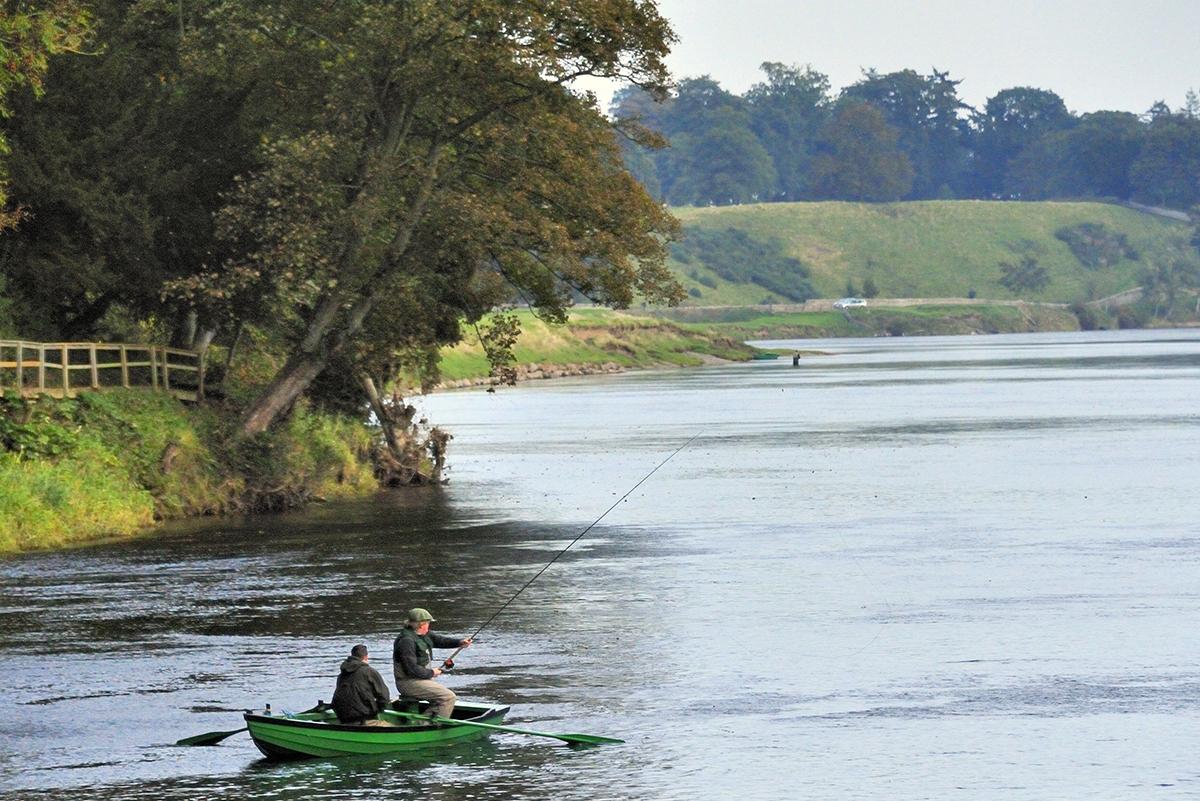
[850, 303]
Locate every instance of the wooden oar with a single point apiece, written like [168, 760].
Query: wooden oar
[211, 738]
[574, 739]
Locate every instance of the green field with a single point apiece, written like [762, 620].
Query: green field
[933, 249]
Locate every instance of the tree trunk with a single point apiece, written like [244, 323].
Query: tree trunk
[295, 377]
[332, 324]
[385, 418]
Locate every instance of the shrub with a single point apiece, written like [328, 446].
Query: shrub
[1095, 245]
[1086, 316]
[1025, 276]
[740, 258]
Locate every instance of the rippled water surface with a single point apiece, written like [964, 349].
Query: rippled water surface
[911, 568]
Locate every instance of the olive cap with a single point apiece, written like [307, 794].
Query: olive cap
[419, 615]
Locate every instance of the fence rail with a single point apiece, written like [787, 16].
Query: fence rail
[55, 368]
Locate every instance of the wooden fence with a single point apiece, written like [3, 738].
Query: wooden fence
[62, 369]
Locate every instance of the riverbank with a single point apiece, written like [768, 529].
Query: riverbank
[594, 341]
[110, 463]
[603, 341]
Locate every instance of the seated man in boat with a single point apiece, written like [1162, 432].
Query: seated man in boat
[361, 694]
[411, 657]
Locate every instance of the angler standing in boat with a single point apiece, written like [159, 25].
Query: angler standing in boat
[361, 693]
[411, 657]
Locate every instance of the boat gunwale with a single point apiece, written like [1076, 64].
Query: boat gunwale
[375, 734]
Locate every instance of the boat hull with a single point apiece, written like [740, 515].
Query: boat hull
[318, 734]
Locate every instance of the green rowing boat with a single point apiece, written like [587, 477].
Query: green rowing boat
[317, 733]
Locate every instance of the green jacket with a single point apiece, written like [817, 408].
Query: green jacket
[413, 652]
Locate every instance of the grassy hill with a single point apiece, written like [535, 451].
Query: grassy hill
[933, 249]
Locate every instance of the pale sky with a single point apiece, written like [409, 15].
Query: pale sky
[1120, 55]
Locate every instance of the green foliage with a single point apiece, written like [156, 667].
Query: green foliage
[739, 257]
[107, 463]
[1095, 245]
[861, 159]
[31, 32]
[1011, 122]
[1024, 276]
[1166, 170]
[35, 428]
[924, 111]
[7, 327]
[431, 162]
[120, 165]
[1086, 315]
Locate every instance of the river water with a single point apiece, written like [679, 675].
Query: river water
[909, 568]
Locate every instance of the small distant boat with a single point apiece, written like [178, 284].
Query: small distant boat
[317, 732]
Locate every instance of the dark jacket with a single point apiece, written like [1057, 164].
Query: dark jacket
[413, 652]
[360, 693]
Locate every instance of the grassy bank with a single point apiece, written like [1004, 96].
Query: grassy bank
[109, 463]
[597, 340]
[937, 249]
[931, 320]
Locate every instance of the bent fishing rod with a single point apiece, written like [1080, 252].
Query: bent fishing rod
[449, 662]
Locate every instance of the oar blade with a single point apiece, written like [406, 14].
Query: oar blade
[585, 739]
[572, 739]
[209, 738]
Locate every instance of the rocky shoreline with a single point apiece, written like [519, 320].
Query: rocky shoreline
[533, 372]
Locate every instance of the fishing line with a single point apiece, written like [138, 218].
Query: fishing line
[450, 660]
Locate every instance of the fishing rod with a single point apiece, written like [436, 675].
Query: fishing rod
[449, 662]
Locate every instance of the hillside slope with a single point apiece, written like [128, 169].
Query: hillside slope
[935, 249]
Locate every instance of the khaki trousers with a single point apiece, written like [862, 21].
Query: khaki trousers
[441, 700]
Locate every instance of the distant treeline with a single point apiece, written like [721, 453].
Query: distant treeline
[903, 136]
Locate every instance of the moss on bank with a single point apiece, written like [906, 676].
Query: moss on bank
[109, 463]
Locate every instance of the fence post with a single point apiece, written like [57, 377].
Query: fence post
[66, 371]
[166, 370]
[95, 369]
[41, 369]
[124, 368]
[21, 368]
[154, 367]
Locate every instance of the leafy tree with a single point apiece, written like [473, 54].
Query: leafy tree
[714, 158]
[1011, 121]
[860, 158]
[787, 112]
[427, 157]
[30, 32]
[724, 165]
[119, 167]
[1167, 171]
[1092, 159]
[1025, 276]
[926, 112]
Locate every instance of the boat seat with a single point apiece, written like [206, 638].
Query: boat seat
[406, 703]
